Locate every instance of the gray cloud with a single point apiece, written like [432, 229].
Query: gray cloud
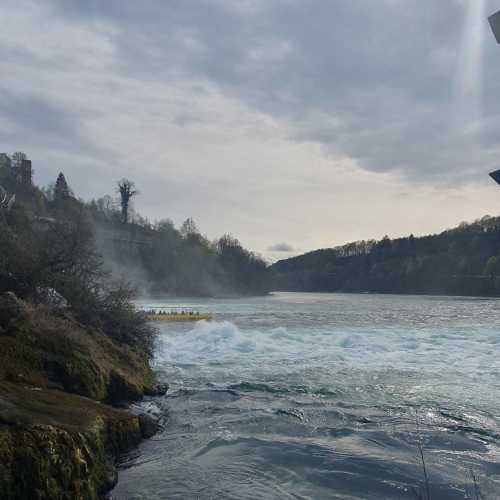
[297, 115]
[373, 82]
[35, 117]
[281, 247]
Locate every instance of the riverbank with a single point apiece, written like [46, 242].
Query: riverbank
[60, 433]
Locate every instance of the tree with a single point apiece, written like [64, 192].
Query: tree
[5, 161]
[18, 157]
[127, 191]
[244, 272]
[61, 190]
[492, 267]
[189, 228]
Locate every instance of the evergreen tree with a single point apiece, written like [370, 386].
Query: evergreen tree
[61, 190]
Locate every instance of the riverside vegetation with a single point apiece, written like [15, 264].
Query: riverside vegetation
[72, 345]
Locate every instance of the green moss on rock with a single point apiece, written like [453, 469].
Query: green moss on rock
[39, 348]
[55, 445]
[58, 440]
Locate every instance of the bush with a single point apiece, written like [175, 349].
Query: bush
[49, 257]
[122, 322]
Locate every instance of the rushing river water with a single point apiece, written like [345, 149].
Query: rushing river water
[325, 396]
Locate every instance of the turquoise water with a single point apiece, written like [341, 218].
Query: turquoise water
[325, 396]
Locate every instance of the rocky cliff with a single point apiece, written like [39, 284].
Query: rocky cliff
[59, 434]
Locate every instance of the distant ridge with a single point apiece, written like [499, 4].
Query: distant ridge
[461, 261]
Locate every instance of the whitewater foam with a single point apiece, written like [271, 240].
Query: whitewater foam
[332, 381]
[328, 353]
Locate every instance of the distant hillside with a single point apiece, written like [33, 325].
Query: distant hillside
[460, 261]
[161, 259]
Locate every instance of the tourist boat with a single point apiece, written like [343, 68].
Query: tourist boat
[175, 314]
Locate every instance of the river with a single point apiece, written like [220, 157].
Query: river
[312, 396]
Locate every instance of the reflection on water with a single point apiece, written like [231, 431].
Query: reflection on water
[325, 396]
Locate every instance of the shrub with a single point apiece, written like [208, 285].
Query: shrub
[121, 321]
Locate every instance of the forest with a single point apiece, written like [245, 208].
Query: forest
[155, 258]
[460, 261]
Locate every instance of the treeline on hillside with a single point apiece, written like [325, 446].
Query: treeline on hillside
[160, 258]
[156, 257]
[460, 261]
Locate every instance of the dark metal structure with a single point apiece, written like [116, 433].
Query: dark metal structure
[495, 176]
[494, 21]
[495, 25]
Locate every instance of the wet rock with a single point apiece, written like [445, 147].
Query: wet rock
[121, 390]
[109, 477]
[149, 426]
[364, 420]
[60, 446]
[291, 412]
[157, 389]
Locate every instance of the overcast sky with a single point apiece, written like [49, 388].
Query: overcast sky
[292, 124]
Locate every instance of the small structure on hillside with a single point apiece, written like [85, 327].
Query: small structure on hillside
[24, 172]
[20, 167]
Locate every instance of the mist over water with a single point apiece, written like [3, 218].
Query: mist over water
[324, 396]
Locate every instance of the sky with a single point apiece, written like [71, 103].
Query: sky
[291, 124]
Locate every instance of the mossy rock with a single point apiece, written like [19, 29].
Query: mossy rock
[60, 446]
[40, 348]
[58, 440]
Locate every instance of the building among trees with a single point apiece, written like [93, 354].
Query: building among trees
[19, 166]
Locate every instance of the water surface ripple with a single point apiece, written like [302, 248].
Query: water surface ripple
[311, 396]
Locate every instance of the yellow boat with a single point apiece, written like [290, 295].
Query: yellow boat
[175, 314]
[178, 317]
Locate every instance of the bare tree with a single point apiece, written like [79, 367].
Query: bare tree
[127, 191]
[18, 157]
[189, 228]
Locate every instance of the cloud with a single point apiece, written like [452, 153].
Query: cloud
[281, 247]
[306, 119]
[31, 115]
[372, 82]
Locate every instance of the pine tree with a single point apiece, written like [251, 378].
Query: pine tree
[61, 190]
